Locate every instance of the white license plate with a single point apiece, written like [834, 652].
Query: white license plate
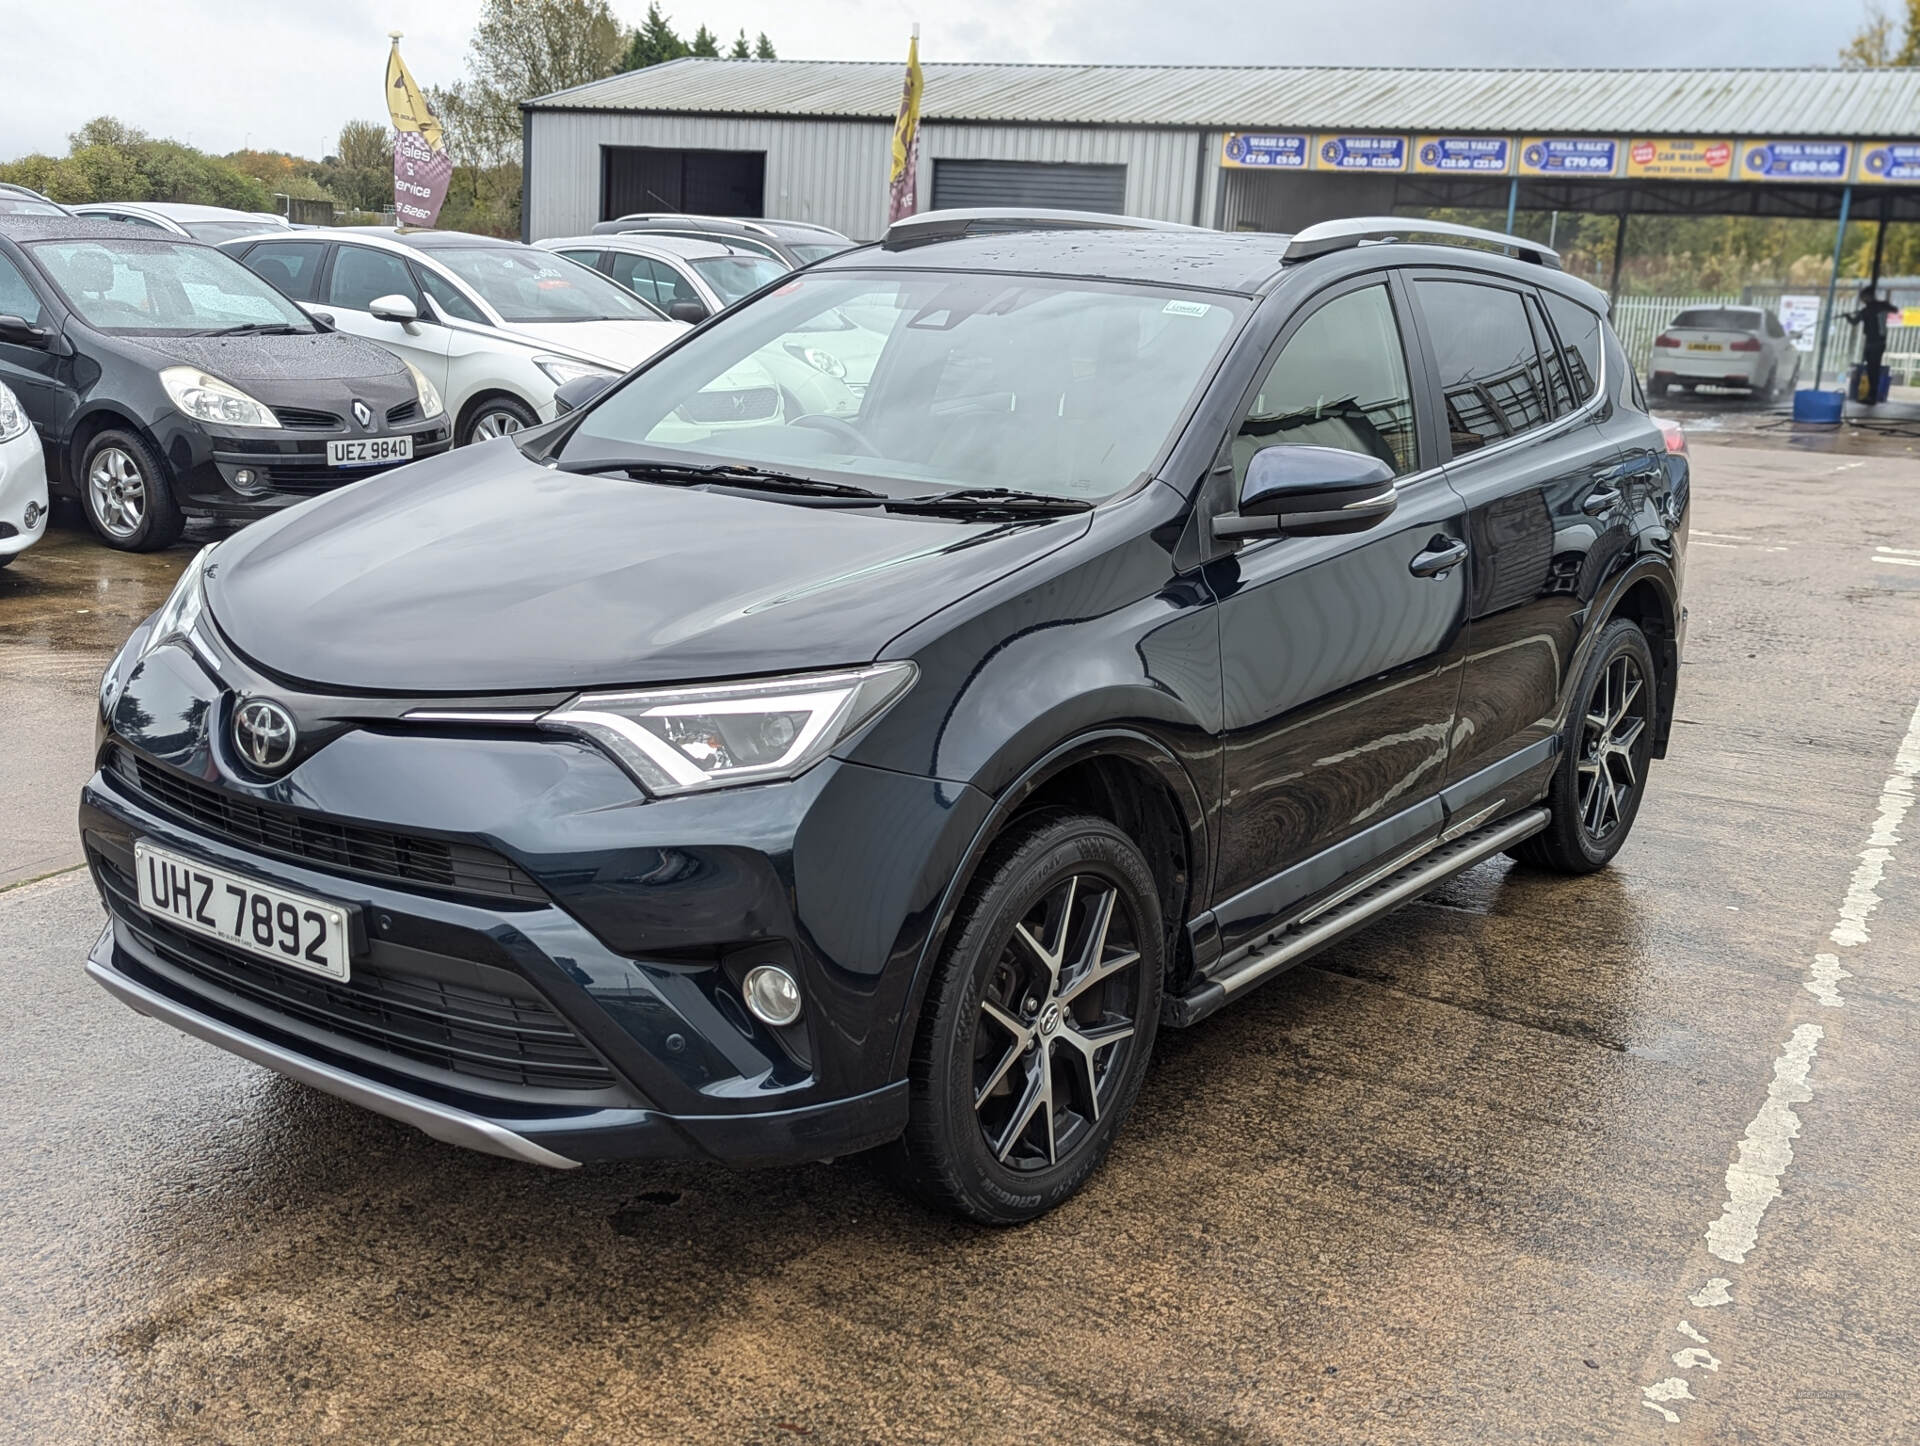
[369, 451]
[1691, 346]
[273, 923]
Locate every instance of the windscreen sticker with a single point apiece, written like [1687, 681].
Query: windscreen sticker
[1186, 308]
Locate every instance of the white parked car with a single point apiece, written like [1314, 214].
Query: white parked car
[212, 224]
[495, 325]
[23, 479]
[1724, 346]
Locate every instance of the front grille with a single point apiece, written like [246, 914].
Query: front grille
[7, 529]
[347, 847]
[466, 1030]
[743, 404]
[405, 412]
[312, 481]
[305, 418]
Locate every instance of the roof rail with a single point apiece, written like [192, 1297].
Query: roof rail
[695, 219]
[950, 225]
[1330, 236]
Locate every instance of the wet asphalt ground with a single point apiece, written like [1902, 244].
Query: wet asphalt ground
[1464, 1178]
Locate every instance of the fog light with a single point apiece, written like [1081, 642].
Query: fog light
[31, 517]
[243, 477]
[771, 994]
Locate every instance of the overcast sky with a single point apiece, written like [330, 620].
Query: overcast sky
[284, 74]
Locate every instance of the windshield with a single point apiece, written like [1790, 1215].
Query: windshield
[523, 284]
[817, 250]
[27, 206]
[733, 277]
[214, 232]
[1064, 388]
[1717, 318]
[160, 286]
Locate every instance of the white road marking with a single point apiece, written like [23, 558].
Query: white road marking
[1766, 1149]
[1671, 1389]
[1900, 551]
[1897, 561]
[1725, 536]
[1713, 1293]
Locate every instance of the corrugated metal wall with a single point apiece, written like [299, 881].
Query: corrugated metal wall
[835, 172]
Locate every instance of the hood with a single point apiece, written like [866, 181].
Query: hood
[480, 572]
[322, 357]
[621, 345]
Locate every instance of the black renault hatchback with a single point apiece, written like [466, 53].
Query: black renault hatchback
[166, 381]
[667, 782]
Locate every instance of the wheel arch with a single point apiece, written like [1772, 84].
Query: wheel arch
[1646, 594]
[480, 398]
[90, 423]
[1126, 777]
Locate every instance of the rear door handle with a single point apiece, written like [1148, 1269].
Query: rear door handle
[1602, 499]
[1442, 555]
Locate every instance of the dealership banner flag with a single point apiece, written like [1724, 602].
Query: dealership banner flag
[421, 169]
[903, 193]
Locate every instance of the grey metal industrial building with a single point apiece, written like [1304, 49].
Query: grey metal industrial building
[1257, 147]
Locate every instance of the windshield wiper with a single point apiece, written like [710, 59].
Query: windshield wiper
[990, 502]
[758, 479]
[255, 328]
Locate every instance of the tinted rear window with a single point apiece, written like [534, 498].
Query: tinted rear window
[1579, 331]
[1490, 372]
[1716, 318]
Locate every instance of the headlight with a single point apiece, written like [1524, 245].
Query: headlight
[13, 416]
[820, 361]
[180, 613]
[208, 399]
[676, 740]
[430, 403]
[564, 369]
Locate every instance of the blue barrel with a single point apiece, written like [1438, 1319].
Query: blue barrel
[1812, 406]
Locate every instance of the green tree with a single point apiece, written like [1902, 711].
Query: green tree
[705, 43]
[360, 171]
[763, 48]
[521, 49]
[109, 160]
[654, 42]
[1878, 43]
[740, 50]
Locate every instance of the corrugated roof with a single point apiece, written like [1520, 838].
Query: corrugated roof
[1607, 102]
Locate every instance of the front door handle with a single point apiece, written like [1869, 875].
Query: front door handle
[1441, 556]
[1602, 499]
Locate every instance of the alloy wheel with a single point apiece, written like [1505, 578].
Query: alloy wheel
[118, 491]
[1056, 1024]
[495, 424]
[1608, 768]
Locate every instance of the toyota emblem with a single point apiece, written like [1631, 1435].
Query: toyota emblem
[362, 413]
[263, 732]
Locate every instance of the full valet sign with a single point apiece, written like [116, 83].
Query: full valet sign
[421, 169]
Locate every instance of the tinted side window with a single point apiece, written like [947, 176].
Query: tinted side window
[1341, 381]
[16, 297]
[449, 301]
[1557, 382]
[671, 285]
[290, 266]
[1579, 331]
[631, 272]
[361, 275]
[1488, 368]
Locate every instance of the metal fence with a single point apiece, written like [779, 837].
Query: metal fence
[1639, 319]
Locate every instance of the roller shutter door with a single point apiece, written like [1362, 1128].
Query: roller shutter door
[1029, 183]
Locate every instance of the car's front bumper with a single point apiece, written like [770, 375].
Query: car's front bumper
[243, 473]
[545, 963]
[23, 493]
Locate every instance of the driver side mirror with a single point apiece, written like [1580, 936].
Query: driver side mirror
[688, 311]
[573, 395]
[1306, 491]
[394, 308]
[19, 330]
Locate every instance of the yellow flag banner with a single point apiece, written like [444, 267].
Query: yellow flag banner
[903, 192]
[421, 169]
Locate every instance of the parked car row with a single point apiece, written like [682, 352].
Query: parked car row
[179, 360]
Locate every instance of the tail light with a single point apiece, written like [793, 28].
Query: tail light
[1666, 338]
[1749, 343]
[1673, 434]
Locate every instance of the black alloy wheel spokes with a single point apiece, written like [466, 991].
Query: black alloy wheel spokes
[1609, 737]
[1056, 1018]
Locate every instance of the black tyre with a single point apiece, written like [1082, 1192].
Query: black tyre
[1038, 1023]
[495, 416]
[1602, 776]
[127, 495]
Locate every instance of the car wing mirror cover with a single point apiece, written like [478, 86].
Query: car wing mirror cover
[1310, 491]
[19, 330]
[573, 395]
[393, 308]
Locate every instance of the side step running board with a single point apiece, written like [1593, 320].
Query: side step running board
[1286, 947]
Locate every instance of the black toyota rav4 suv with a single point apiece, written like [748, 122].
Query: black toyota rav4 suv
[701, 775]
